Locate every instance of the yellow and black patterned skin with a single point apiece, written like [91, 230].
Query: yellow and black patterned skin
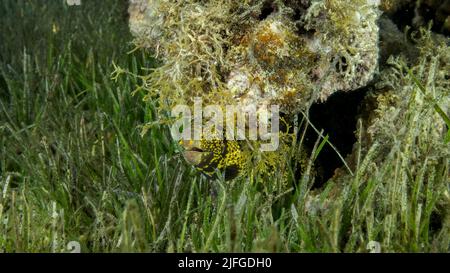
[210, 156]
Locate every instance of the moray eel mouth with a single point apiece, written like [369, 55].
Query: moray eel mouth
[195, 155]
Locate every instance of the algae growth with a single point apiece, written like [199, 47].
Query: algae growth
[299, 53]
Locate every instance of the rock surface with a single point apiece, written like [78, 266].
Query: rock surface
[255, 52]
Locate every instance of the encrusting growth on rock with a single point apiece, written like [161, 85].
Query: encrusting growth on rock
[259, 52]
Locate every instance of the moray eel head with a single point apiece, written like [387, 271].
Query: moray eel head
[211, 156]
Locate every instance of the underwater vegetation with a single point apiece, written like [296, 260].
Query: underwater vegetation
[86, 154]
[289, 53]
[257, 53]
[298, 54]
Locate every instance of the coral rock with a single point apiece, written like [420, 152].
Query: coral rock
[261, 52]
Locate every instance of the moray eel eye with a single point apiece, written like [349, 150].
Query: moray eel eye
[208, 156]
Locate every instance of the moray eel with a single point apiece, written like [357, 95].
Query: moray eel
[208, 156]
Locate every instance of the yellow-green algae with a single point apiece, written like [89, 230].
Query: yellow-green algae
[253, 52]
[258, 52]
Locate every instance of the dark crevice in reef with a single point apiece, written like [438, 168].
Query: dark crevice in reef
[419, 14]
[337, 117]
[438, 12]
[403, 16]
[267, 9]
